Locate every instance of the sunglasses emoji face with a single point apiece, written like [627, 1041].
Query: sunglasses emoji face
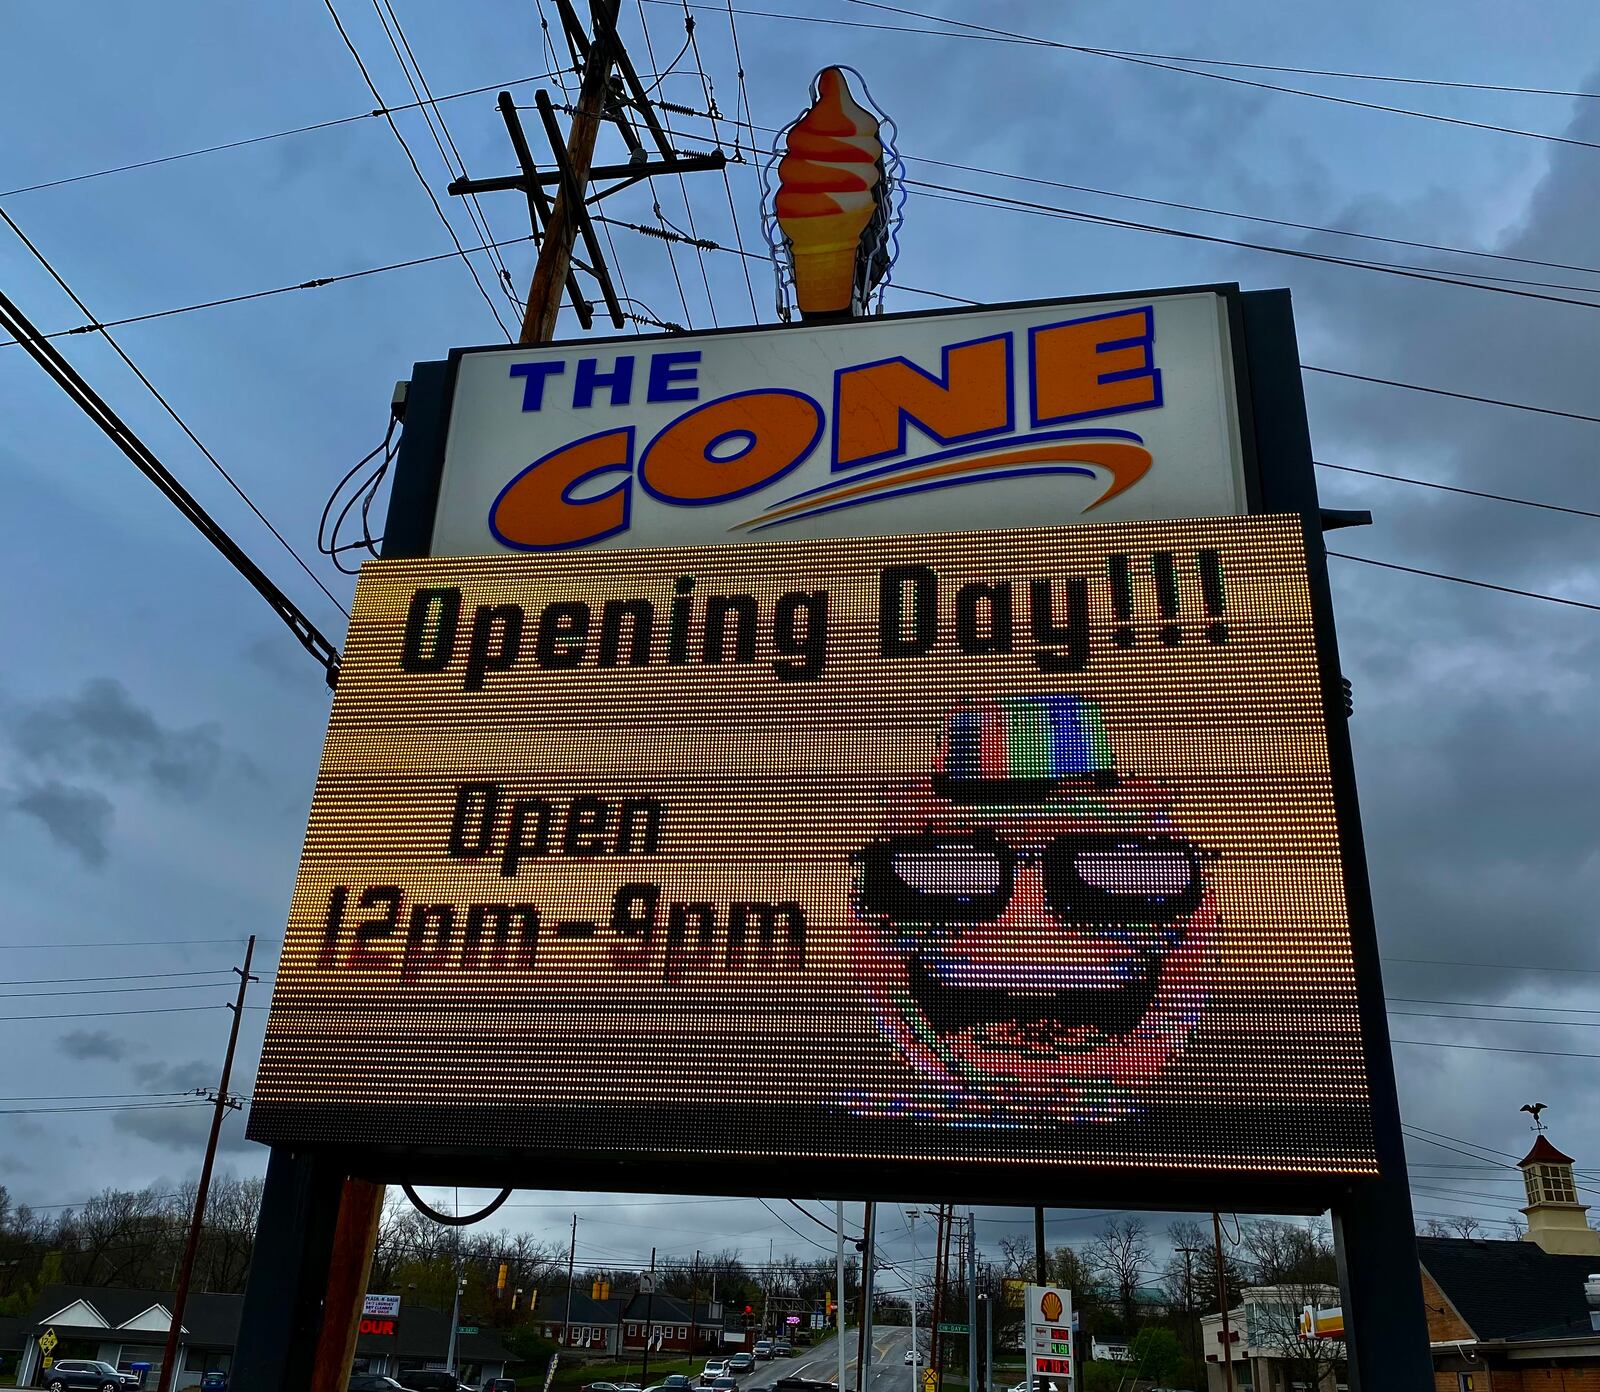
[1034, 949]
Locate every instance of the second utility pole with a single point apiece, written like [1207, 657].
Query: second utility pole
[169, 1359]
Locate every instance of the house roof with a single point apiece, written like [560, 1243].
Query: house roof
[1543, 1153]
[212, 1321]
[1510, 1290]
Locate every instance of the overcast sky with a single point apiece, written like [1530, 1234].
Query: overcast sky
[160, 729]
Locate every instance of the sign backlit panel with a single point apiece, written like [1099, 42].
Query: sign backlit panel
[1058, 412]
[947, 848]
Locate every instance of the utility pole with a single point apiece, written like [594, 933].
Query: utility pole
[1222, 1301]
[988, 1343]
[1191, 1305]
[864, 1333]
[1041, 1261]
[180, 1298]
[572, 1261]
[649, 1314]
[455, 1314]
[766, 1292]
[916, 1356]
[555, 256]
[694, 1297]
[838, 1227]
[972, 1303]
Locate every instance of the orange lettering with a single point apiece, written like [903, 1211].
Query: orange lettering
[730, 446]
[534, 511]
[873, 402]
[1093, 367]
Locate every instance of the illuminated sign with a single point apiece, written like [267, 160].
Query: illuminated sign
[388, 1305]
[1049, 1334]
[1058, 412]
[955, 848]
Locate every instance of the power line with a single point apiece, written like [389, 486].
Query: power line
[1486, 966]
[1496, 1019]
[1494, 1005]
[166, 406]
[140, 942]
[1454, 395]
[102, 1014]
[261, 139]
[978, 197]
[13, 321]
[114, 990]
[1463, 580]
[417, 169]
[109, 1107]
[475, 213]
[315, 284]
[1169, 63]
[125, 976]
[1494, 1048]
[1452, 488]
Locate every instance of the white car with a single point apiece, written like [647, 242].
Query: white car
[911, 1357]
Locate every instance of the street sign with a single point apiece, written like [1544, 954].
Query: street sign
[1099, 410]
[930, 1380]
[385, 1305]
[638, 784]
[48, 1341]
[946, 1327]
[47, 1361]
[466, 1329]
[818, 1320]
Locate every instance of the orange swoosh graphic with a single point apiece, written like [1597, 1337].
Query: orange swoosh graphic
[1126, 464]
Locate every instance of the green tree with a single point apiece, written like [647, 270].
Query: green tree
[1157, 1355]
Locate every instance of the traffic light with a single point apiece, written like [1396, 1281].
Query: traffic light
[749, 1316]
[500, 1280]
[830, 1307]
[600, 1290]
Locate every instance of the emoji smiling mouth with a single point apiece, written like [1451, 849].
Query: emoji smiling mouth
[1041, 1012]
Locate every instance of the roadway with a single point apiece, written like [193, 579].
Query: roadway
[819, 1362]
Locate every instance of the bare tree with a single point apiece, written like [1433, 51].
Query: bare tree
[1120, 1256]
[1296, 1276]
[1461, 1225]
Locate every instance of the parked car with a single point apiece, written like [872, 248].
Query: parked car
[214, 1382]
[88, 1372]
[741, 1363]
[373, 1382]
[432, 1380]
[499, 1384]
[601, 1387]
[763, 1350]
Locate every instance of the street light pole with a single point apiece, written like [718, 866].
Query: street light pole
[838, 1226]
[972, 1302]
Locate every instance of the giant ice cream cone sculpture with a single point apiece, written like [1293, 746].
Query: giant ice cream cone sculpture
[827, 193]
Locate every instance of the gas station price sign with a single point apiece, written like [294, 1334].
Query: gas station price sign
[950, 848]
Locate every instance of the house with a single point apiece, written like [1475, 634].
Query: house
[1272, 1345]
[671, 1325]
[593, 1323]
[128, 1328]
[1519, 1316]
[12, 1339]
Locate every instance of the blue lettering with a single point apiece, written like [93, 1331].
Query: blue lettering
[533, 386]
[619, 380]
[667, 368]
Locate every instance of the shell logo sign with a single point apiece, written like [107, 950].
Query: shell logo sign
[1104, 410]
[1050, 1306]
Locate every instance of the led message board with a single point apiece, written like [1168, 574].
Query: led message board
[941, 849]
[1099, 410]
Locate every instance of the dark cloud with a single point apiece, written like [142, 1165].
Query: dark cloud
[103, 729]
[85, 1044]
[183, 1128]
[175, 1077]
[77, 818]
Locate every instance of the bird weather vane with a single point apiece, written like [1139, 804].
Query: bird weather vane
[1533, 1109]
[833, 191]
